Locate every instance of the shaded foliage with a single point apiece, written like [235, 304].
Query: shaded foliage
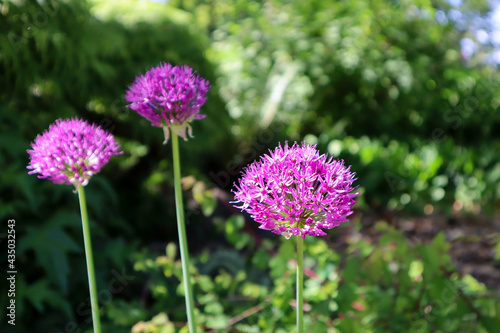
[381, 85]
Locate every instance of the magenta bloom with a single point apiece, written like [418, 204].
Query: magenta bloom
[295, 190]
[169, 97]
[71, 151]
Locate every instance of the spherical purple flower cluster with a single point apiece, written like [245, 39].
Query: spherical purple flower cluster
[71, 151]
[169, 97]
[296, 191]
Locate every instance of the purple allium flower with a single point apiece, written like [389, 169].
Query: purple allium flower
[295, 190]
[71, 151]
[169, 97]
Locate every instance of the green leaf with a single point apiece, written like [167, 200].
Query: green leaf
[260, 259]
[40, 293]
[233, 234]
[317, 327]
[171, 250]
[51, 245]
[208, 204]
[287, 250]
[491, 324]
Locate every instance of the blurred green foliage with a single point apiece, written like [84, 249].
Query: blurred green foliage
[389, 286]
[382, 85]
[379, 84]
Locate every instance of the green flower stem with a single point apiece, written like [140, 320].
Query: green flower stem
[181, 227]
[300, 283]
[90, 261]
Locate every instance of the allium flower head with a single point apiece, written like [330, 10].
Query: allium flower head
[296, 191]
[71, 151]
[169, 97]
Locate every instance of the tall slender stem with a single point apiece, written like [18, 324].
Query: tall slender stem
[182, 236]
[300, 283]
[94, 302]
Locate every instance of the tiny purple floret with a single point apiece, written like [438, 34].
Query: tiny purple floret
[296, 191]
[169, 97]
[71, 151]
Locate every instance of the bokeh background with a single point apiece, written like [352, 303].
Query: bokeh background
[407, 92]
